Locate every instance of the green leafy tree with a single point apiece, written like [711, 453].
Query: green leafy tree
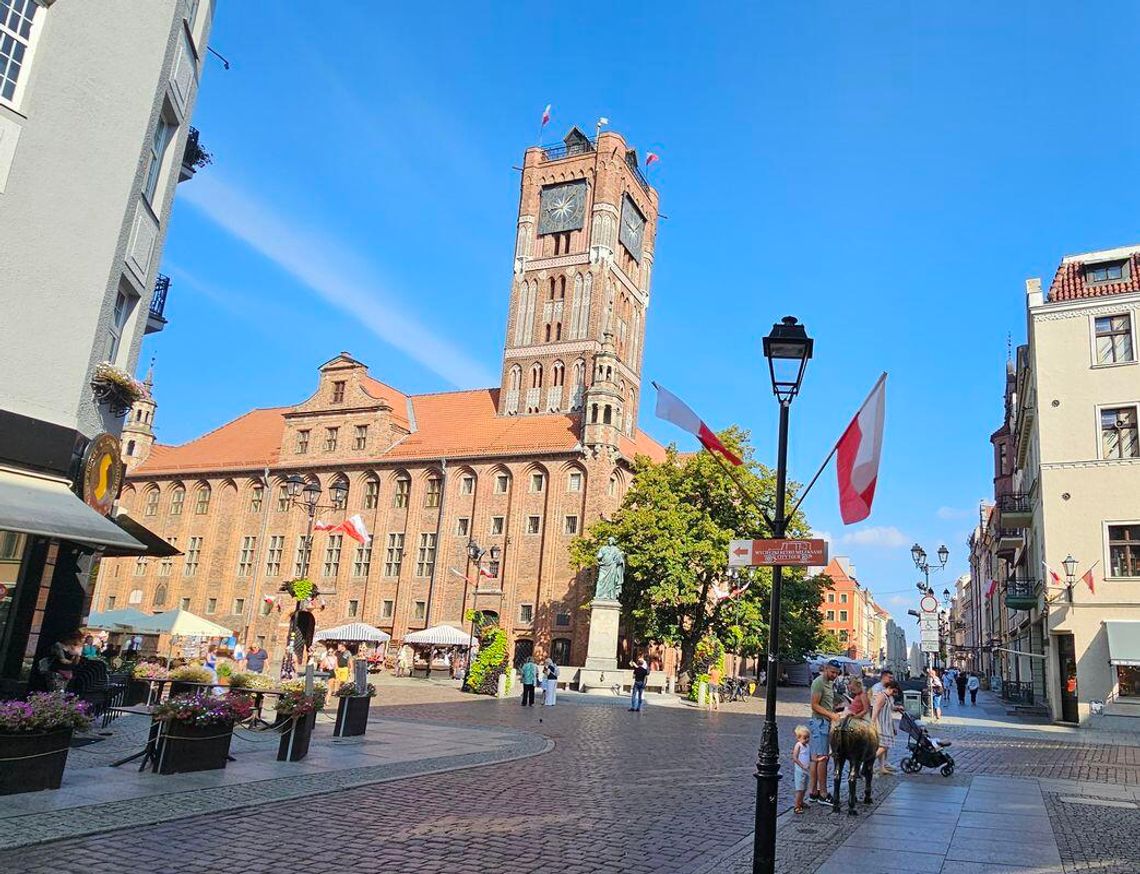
[674, 527]
[829, 642]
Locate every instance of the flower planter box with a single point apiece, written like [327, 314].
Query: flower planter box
[352, 716]
[138, 692]
[183, 748]
[295, 737]
[180, 687]
[32, 762]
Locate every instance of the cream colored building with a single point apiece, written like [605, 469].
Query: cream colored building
[1075, 490]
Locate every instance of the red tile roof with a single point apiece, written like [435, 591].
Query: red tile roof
[1069, 282]
[462, 424]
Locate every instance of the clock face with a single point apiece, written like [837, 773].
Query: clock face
[632, 233]
[562, 207]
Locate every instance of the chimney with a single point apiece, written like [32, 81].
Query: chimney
[1033, 292]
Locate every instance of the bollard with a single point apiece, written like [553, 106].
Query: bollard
[501, 687]
[308, 679]
[702, 692]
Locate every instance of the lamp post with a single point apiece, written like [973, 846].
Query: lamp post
[475, 554]
[788, 349]
[918, 555]
[1070, 565]
[307, 495]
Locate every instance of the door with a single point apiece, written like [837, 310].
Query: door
[1067, 668]
[524, 649]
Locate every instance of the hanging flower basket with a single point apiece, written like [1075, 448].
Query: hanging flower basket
[115, 388]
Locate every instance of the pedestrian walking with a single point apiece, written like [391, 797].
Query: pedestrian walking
[404, 662]
[529, 677]
[973, 684]
[960, 681]
[822, 716]
[640, 674]
[801, 764]
[255, 659]
[341, 668]
[948, 676]
[937, 689]
[883, 715]
[550, 686]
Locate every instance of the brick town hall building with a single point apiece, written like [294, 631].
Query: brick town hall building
[524, 466]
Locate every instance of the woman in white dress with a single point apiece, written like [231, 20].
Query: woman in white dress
[883, 715]
[550, 684]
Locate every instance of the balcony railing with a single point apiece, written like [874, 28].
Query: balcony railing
[1022, 594]
[1016, 510]
[194, 158]
[638, 175]
[156, 318]
[568, 150]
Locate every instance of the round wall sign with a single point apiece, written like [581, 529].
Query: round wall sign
[928, 603]
[102, 473]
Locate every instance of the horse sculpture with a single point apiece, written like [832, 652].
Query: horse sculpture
[854, 742]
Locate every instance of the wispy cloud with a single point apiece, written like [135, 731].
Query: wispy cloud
[339, 275]
[883, 537]
[899, 600]
[823, 535]
[952, 513]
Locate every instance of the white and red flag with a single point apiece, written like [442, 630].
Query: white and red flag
[1087, 578]
[326, 526]
[672, 409]
[484, 572]
[859, 450]
[355, 528]
[652, 158]
[1054, 577]
[545, 116]
[990, 590]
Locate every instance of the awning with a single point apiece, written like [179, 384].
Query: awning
[124, 619]
[1123, 641]
[182, 623]
[439, 635]
[34, 504]
[354, 632]
[156, 547]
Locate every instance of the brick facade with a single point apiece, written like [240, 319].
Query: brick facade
[451, 466]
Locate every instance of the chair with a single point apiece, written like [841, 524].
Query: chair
[91, 681]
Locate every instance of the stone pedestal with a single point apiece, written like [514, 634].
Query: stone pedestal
[601, 652]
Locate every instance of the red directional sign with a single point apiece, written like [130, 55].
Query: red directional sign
[799, 553]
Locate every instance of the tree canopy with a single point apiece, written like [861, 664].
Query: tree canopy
[674, 526]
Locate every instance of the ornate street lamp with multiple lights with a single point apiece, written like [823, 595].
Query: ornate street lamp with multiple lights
[919, 555]
[788, 349]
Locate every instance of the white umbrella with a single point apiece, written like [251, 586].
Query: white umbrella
[124, 619]
[354, 632]
[439, 635]
[182, 623]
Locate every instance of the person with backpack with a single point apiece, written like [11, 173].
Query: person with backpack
[550, 684]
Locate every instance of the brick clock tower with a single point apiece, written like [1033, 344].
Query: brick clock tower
[583, 260]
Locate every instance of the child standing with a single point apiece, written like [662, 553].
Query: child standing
[801, 761]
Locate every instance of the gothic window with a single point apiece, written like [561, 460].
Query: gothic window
[152, 496]
[202, 503]
[594, 413]
[553, 283]
[536, 375]
[403, 489]
[558, 331]
[558, 373]
[516, 378]
[548, 332]
[341, 503]
[607, 415]
[576, 307]
[562, 287]
[371, 493]
[584, 316]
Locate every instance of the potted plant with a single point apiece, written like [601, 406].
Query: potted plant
[296, 716]
[142, 678]
[116, 388]
[35, 736]
[197, 730]
[183, 679]
[224, 670]
[352, 710]
[250, 681]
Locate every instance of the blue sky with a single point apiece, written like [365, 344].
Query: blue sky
[890, 173]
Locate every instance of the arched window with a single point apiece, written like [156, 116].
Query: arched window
[516, 378]
[607, 415]
[371, 493]
[159, 599]
[558, 374]
[402, 491]
[130, 447]
[151, 507]
[177, 499]
[202, 500]
[536, 375]
[593, 412]
[135, 596]
[553, 284]
[341, 503]
[548, 332]
[557, 330]
[562, 287]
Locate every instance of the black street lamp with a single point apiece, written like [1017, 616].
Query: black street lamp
[787, 349]
[475, 554]
[1070, 565]
[919, 555]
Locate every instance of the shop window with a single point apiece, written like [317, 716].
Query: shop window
[1128, 678]
[560, 650]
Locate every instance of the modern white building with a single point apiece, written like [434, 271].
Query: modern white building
[95, 107]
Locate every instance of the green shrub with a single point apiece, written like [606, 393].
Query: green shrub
[490, 663]
[709, 652]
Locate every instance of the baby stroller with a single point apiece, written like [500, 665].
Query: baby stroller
[924, 752]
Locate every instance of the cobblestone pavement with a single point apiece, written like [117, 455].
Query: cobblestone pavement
[1094, 833]
[667, 790]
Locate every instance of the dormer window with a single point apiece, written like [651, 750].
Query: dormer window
[1108, 271]
[338, 392]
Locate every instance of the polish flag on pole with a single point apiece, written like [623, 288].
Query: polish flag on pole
[652, 158]
[990, 590]
[1087, 578]
[483, 572]
[355, 528]
[545, 116]
[326, 526]
[672, 409]
[859, 451]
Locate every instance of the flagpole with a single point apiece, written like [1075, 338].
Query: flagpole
[740, 486]
[818, 473]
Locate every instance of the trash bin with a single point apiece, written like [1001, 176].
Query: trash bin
[912, 703]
